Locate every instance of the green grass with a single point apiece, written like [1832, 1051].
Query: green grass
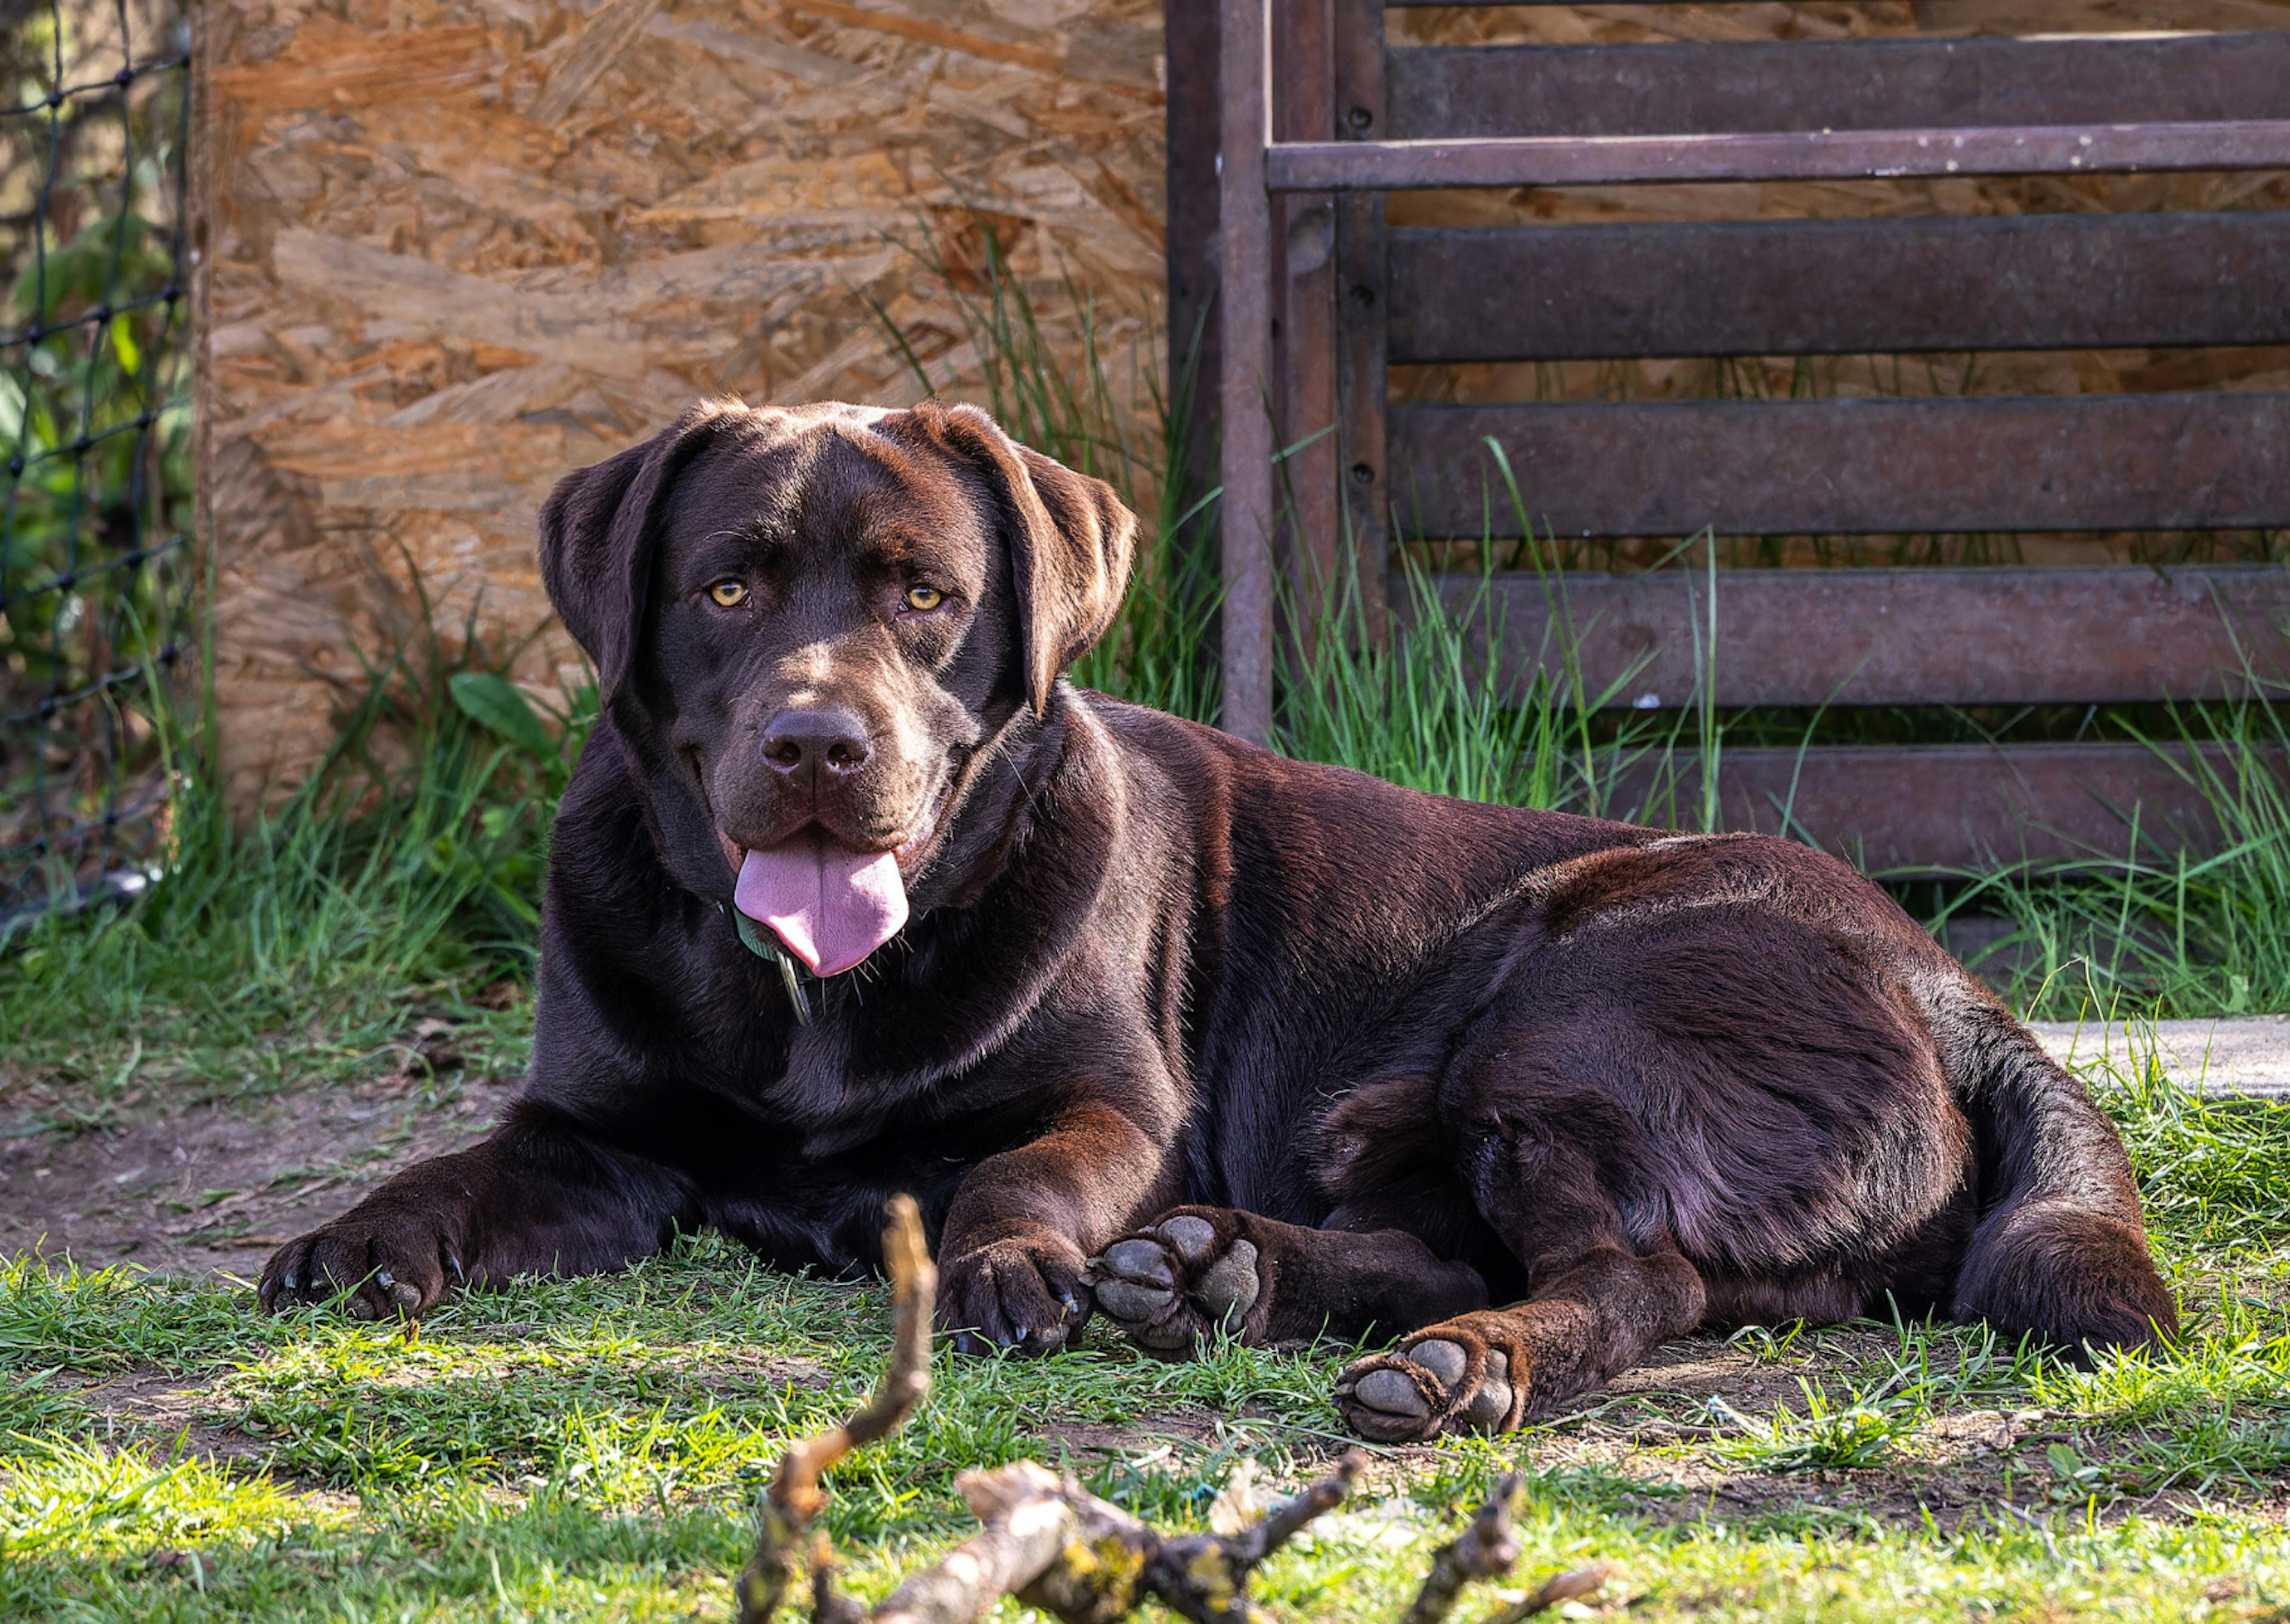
[404, 876]
[2152, 928]
[593, 1448]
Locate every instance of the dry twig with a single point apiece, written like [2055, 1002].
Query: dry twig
[1575, 1585]
[794, 1501]
[1048, 1541]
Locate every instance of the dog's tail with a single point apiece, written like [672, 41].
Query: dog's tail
[2059, 1250]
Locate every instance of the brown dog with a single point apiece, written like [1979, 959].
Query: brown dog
[1071, 963]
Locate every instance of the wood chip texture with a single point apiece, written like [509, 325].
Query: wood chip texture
[453, 249]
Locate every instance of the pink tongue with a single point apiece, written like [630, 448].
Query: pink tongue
[831, 905]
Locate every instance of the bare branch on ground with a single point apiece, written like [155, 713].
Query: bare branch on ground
[1048, 1541]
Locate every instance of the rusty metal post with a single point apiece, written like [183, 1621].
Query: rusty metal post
[1244, 230]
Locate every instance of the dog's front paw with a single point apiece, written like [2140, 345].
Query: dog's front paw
[1447, 1379]
[379, 1260]
[1185, 1276]
[1022, 1293]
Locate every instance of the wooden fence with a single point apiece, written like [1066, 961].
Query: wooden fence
[1322, 119]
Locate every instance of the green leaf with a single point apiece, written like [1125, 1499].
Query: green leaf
[124, 344]
[494, 704]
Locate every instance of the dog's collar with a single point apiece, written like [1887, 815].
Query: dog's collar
[791, 974]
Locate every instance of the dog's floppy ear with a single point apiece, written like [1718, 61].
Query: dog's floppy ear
[1070, 542]
[596, 540]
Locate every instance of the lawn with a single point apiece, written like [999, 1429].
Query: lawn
[594, 1448]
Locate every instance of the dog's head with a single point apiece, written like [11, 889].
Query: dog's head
[808, 625]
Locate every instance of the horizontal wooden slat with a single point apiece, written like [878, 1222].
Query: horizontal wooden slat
[1849, 467]
[1807, 287]
[1840, 154]
[1917, 636]
[1499, 90]
[1953, 809]
[1957, 808]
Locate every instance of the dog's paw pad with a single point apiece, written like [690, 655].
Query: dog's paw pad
[1175, 1281]
[1417, 1392]
[1142, 1262]
[1136, 1287]
[1490, 1407]
[1389, 1392]
[1132, 1304]
[1446, 1361]
[1228, 1288]
[1194, 1238]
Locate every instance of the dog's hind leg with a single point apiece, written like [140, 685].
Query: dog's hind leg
[1197, 1271]
[1595, 1306]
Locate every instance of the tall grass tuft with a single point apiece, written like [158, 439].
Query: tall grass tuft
[1435, 708]
[409, 859]
[2157, 929]
[1161, 652]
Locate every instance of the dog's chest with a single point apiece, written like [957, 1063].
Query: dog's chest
[825, 1098]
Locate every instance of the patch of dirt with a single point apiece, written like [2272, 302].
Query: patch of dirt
[167, 1404]
[217, 1186]
[1661, 1424]
[1088, 1443]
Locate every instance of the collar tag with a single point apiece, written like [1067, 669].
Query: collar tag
[752, 938]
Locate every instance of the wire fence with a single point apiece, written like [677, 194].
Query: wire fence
[95, 491]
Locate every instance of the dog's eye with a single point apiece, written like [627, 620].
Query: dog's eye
[730, 594]
[925, 598]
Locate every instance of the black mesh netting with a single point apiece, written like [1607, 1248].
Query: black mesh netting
[95, 503]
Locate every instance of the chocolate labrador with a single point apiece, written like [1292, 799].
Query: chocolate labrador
[854, 893]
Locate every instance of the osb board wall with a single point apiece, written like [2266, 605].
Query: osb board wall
[452, 248]
[2043, 373]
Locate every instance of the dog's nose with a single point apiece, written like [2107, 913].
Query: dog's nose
[816, 740]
